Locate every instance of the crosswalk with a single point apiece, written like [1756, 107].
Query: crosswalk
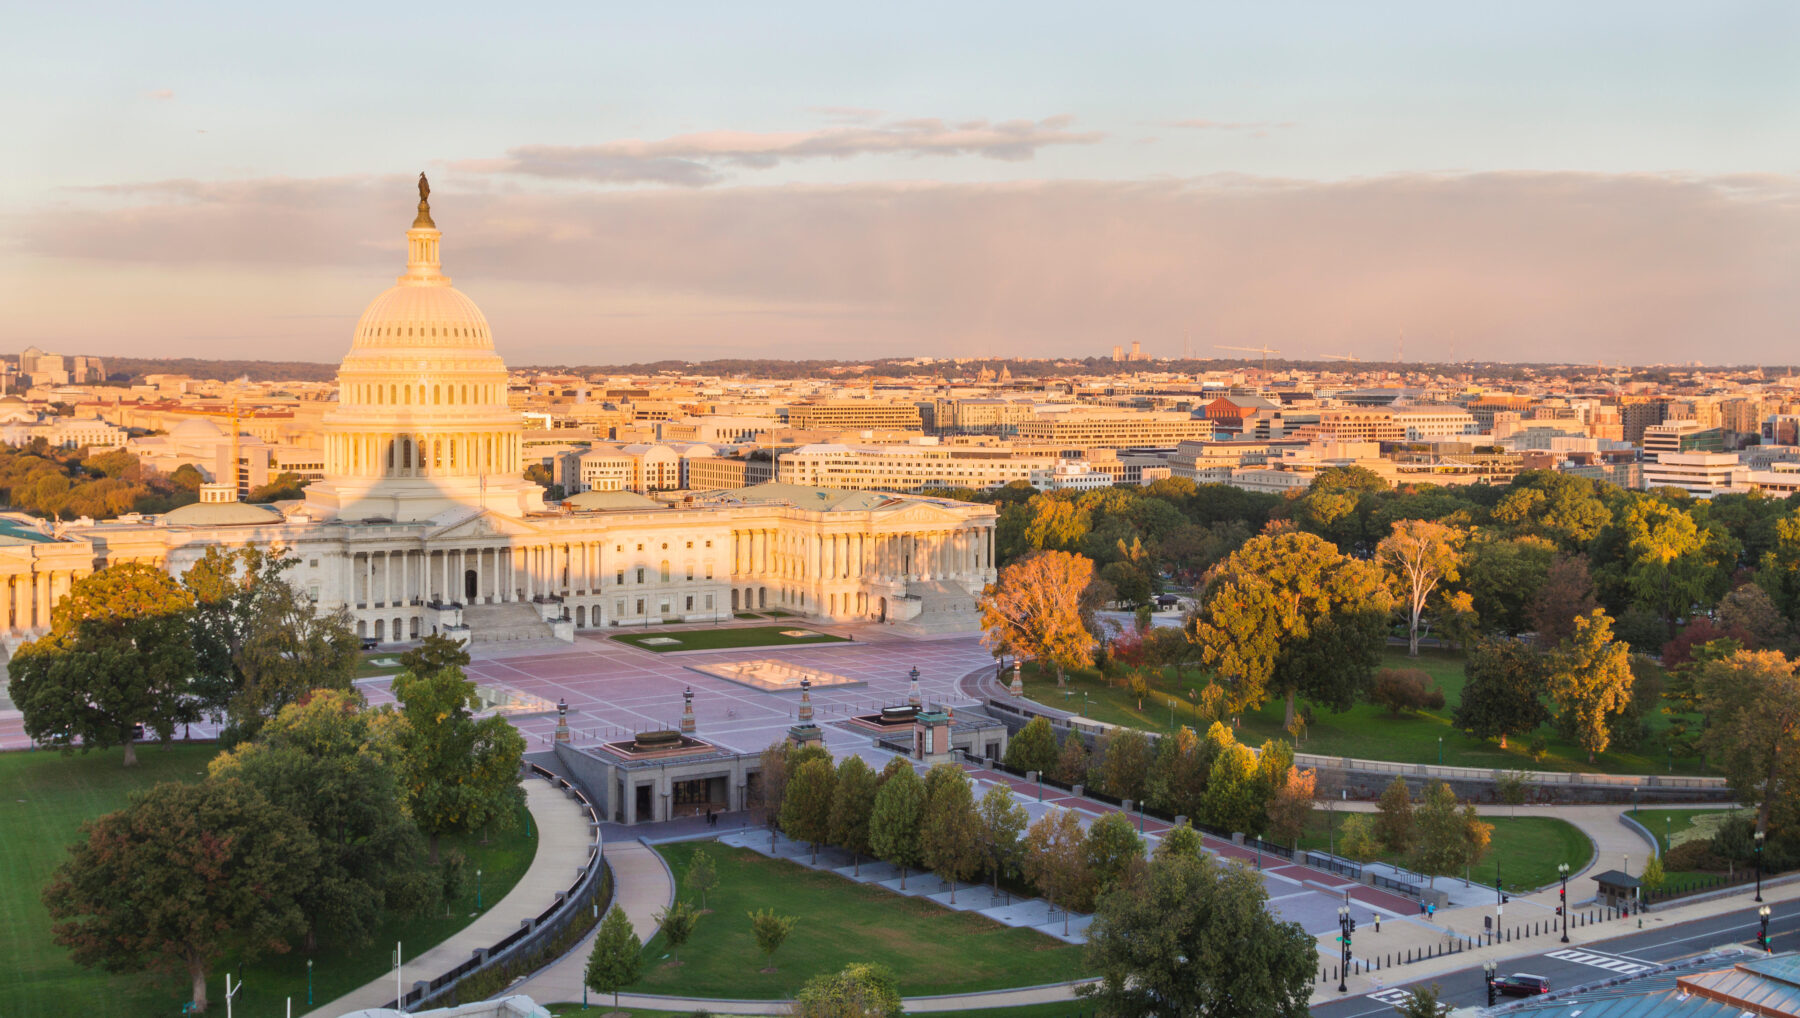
[1392, 995]
[1600, 961]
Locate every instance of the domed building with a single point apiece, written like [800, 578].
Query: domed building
[424, 523]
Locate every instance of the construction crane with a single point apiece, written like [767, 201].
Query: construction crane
[1264, 350]
[1339, 357]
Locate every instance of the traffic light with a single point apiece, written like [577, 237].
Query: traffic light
[1559, 911]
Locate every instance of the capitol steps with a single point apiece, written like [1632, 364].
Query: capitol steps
[505, 623]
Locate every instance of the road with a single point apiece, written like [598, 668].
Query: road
[1584, 963]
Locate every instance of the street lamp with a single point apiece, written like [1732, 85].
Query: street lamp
[309, 962]
[1762, 939]
[1562, 870]
[1346, 926]
[1440, 751]
[1759, 844]
[478, 889]
[1488, 970]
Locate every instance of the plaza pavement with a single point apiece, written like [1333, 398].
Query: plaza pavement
[563, 835]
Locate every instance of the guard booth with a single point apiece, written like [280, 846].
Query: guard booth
[1619, 890]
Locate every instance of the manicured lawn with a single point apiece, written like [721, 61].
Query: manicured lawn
[1364, 731]
[1669, 825]
[725, 639]
[44, 798]
[1524, 850]
[375, 663]
[929, 948]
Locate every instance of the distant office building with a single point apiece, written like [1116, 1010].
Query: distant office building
[1117, 430]
[910, 466]
[1680, 436]
[845, 415]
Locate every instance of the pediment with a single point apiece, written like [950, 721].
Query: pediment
[921, 513]
[482, 523]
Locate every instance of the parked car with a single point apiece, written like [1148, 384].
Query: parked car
[1521, 984]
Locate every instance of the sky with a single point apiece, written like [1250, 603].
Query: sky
[620, 183]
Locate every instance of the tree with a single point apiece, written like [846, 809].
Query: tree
[1671, 563]
[771, 785]
[806, 811]
[852, 802]
[434, 654]
[1566, 594]
[1195, 938]
[1072, 762]
[1036, 611]
[1394, 827]
[1124, 762]
[1056, 861]
[949, 832]
[1502, 575]
[1653, 875]
[1421, 1001]
[1234, 799]
[859, 991]
[116, 656]
[1288, 615]
[677, 924]
[285, 485]
[1000, 822]
[1177, 778]
[1033, 748]
[1291, 806]
[458, 774]
[288, 649]
[1748, 609]
[1181, 839]
[1420, 555]
[1478, 835]
[1114, 851]
[1405, 691]
[771, 931]
[702, 875]
[1752, 704]
[1590, 681]
[220, 583]
[617, 958]
[894, 823]
[180, 876]
[329, 763]
[1503, 693]
[1139, 684]
[1356, 838]
[1440, 843]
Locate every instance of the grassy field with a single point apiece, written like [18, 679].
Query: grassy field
[44, 798]
[373, 663]
[724, 639]
[1364, 731]
[1525, 850]
[929, 948]
[1671, 826]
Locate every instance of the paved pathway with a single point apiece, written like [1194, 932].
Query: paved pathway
[563, 841]
[642, 886]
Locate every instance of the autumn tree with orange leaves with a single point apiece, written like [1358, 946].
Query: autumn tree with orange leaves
[1036, 611]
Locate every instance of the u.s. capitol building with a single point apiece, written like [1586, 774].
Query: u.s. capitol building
[424, 521]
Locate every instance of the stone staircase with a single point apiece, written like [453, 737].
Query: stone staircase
[944, 607]
[505, 623]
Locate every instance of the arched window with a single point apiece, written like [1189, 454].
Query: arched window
[437, 395]
[406, 454]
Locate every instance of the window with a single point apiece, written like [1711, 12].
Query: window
[640, 574]
[619, 547]
[709, 544]
[664, 570]
[690, 602]
[690, 574]
[709, 572]
[640, 606]
[621, 579]
[709, 602]
[313, 563]
[662, 608]
[619, 608]
[690, 544]
[665, 546]
[640, 547]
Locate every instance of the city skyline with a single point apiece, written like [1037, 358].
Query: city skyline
[1545, 186]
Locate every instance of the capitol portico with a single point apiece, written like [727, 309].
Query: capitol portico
[424, 522]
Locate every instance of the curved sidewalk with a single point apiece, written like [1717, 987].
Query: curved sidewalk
[563, 839]
[642, 886]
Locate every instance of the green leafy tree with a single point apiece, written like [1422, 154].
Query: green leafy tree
[1195, 938]
[1653, 875]
[1033, 748]
[1177, 778]
[894, 824]
[806, 811]
[859, 991]
[1566, 594]
[949, 831]
[222, 584]
[770, 931]
[1288, 615]
[703, 874]
[1419, 556]
[1181, 839]
[282, 486]
[330, 764]
[1234, 799]
[852, 803]
[1671, 563]
[1561, 508]
[1056, 861]
[1590, 681]
[676, 923]
[1421, 1001]
[1440, 842]
[1124, 762]
[1503, 692]
[1114, 850]
[1036, 610]
[458, 773]
[180, 876]
[1072, 762]
[1130, 583]
[1394, 825]
[617, 958]
[1356, 838]
[1752, 702]
[434, 654]
[1501, 575]
[1000, 823]
[287, 651]
[117, 655]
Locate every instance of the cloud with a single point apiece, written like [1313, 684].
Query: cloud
[160, 93]
[1521, 266]
[695, 160]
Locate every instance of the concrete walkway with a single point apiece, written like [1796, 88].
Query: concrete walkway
[642, 886]
[563, 839]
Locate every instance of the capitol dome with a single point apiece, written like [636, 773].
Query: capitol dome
[422, 421]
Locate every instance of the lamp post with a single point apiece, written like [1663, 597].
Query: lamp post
[1488, 969]
[1759, 845]
[477, 888]
[1440, 751]
[1346, 926]
[1562, 870]
[309, 1002]
[1762, 939]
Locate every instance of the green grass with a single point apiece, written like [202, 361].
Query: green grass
[1364, 731]
[366, 666]
[930, 949]
[1060, 1009]
[723, 639]
[745, 616]
[44, 798]
[1526, 850]
[1667, 824]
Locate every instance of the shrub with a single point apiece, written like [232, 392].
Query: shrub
[454, 869]
[1405, 691]
[1692, 856]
